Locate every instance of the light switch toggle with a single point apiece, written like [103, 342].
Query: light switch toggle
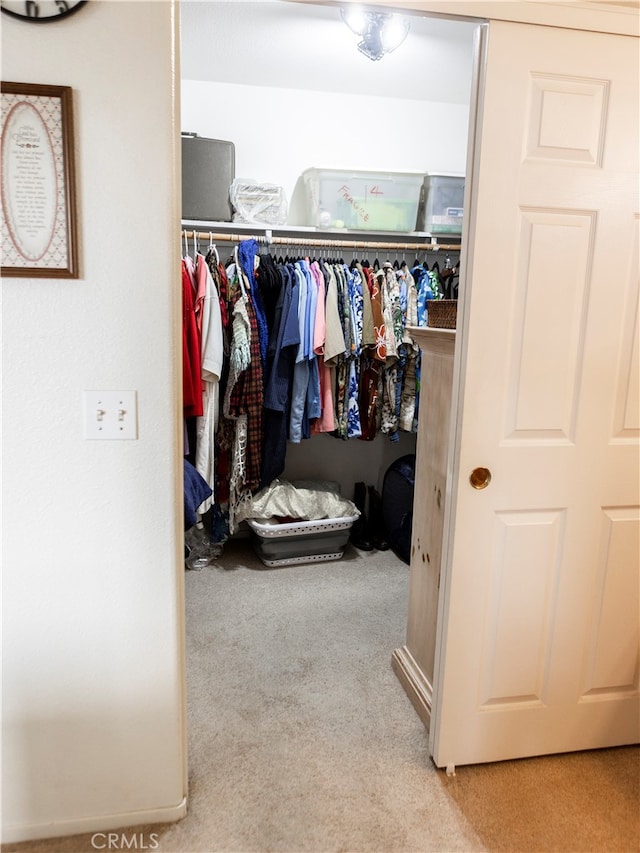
[110, 414]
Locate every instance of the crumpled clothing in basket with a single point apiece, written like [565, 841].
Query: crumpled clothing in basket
[306, 500]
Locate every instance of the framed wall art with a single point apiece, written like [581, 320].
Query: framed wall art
[39, 233]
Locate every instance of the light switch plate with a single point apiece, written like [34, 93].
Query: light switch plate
[110, 414]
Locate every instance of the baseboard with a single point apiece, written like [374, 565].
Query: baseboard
[415, 683]
[97, 823]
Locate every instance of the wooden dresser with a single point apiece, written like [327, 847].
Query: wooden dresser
[413, 663]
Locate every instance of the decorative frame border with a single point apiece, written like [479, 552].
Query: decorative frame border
[37, 192]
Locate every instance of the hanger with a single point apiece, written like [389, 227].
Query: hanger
[239, 272]
[212, 248]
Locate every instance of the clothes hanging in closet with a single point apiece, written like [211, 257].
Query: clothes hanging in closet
[202, 359]
[209, 324]
[191, 355]
[295, 347]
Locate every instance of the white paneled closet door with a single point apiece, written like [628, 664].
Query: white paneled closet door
[537, 649]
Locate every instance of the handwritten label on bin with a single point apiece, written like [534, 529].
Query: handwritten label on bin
[359, 209]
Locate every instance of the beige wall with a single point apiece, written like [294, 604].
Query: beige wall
[92, 624]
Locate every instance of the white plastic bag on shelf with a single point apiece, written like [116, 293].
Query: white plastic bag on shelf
[257, 203]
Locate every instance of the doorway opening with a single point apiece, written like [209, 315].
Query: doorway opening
[286, 84]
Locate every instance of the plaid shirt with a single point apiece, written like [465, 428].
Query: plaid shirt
[247, 397]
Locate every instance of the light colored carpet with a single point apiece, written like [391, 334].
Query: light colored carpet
[302, 739]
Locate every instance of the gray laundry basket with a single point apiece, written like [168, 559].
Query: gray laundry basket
[294, 543]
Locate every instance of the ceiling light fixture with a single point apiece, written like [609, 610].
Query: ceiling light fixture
[381, 32]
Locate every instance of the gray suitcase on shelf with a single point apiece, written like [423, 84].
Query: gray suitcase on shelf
[208, 168]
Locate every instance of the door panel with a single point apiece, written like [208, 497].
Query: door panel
[611, 660]
[555, 257]
[525, 559]
[538, 640]
[627, 413]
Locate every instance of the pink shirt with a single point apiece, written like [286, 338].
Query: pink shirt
[326, 422]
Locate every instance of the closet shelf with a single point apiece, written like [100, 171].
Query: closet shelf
[313, 237]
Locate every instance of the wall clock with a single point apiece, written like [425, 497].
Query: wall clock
[41, 11]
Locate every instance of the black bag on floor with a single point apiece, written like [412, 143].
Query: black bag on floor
[397, 504]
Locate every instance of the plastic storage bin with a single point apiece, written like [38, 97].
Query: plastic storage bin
[365, 201]
[443, 204]
[297, 542]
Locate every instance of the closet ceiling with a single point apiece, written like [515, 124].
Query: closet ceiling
[304, 46]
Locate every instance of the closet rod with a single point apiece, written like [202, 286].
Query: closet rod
[315, 243]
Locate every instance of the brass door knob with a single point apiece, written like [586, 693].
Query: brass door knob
[480, 478]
